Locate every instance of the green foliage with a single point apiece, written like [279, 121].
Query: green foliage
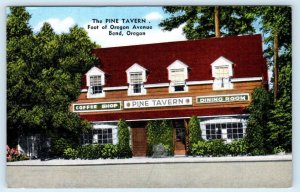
[58, 146]
[124, 149]
[109, 151]
[159, 132]
[217, 147]
[237, 147]
[257, 131]
[70, 153]
[209, 148]
[90, 151]
[279, 19]
[199, 149]
[281, 116]
[195, 134]
[43, 77]
[199, 20]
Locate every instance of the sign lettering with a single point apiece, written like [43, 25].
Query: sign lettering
[158, 102]
[90, 107]
[223, 98]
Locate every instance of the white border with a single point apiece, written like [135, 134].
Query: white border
[120, 102]
[222, 96]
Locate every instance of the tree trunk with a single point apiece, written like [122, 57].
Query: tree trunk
[217, 21]
[275, 65]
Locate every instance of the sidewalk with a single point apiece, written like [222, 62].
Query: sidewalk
[149, 160]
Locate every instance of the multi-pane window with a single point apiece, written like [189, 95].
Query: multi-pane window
[104, 136]
[177, 75]
[100, 136]
[136, 81]
[213, 131]
[136, 78]
[221, 71]
[177, 80]
[223, 128]
[95, 83]
[235, 130]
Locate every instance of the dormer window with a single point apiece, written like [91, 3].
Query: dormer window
[222, 72]
[136, 76]
[95, 81]
[178, 74]
[95, 84]
[136, 82]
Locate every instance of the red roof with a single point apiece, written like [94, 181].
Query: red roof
[162, 114]
[244, 51]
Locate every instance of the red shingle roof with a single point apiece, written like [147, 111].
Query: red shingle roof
[244, 51]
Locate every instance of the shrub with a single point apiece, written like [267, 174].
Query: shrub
[278, 149]
[70, 153]
[90, 151]
[13, 154]
[58, 146]
[237, 147]
[194, 132]
[109, 151]
[257, 132]
[209, 148]
[217, 147]
[199, 149]
[159, 132]
[124, 150]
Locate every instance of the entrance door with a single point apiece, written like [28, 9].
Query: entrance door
[139, 142]
[179, 137]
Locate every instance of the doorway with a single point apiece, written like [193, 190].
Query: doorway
[179, 135]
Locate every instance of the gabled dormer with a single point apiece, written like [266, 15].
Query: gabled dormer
[177, 74]
[222, 71]
[95, 80]
[136, 77]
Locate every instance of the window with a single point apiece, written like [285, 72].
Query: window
[227, 128]
[235, 131]
[95, 81]
[104, 136]
[136, 76]
[95, 84]
[136, 82]
[177, 76]
[213, 131]
[178, 88]
[222, 72]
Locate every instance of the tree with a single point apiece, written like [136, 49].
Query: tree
[257, 132]
[124, 149]
[200, 21]
[276, 23]
[281, 116]
[19, 49]
[44, 77]
[194, 134]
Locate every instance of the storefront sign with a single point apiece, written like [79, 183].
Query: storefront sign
[223, 98]
[91, 107]
[165, 102]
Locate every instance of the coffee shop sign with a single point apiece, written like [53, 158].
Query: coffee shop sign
[100, 106]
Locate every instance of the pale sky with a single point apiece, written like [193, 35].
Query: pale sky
[62, 18]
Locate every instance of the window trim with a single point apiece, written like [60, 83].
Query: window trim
[224, 132]
[136, 68]
[95, 71]
[177, 65]
[222, 62]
